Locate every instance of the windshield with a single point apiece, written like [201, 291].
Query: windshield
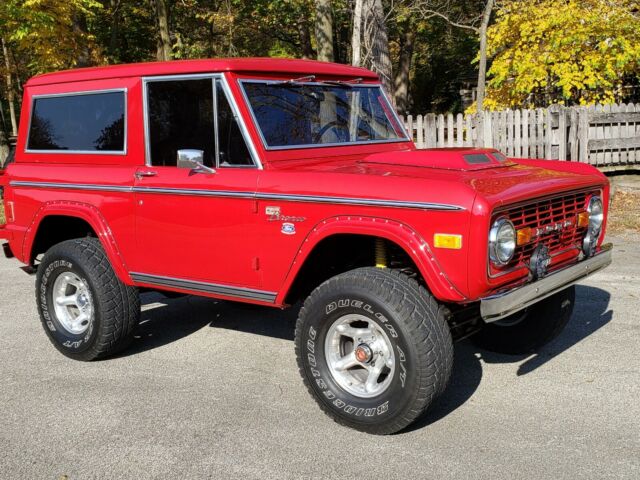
[297, 115]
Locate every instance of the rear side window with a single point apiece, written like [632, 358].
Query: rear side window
[87, 122]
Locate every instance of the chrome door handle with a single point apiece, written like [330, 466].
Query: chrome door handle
[145, 173]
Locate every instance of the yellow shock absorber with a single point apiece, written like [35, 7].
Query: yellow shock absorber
[381, 253]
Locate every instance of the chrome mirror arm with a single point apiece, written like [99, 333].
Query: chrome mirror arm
[200, 168]
[192, 159]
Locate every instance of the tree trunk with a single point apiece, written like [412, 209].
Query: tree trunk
[378, 43]
[356, 36]
[164, 37]
[4, 145]
[324, 30]
[404, 67]
[305, 37]
[79, 25]
[482, 73]
[10, 91]
[482, 64]
[114, 37]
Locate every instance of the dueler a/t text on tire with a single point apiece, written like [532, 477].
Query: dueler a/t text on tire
[374, 349]
[86, 311]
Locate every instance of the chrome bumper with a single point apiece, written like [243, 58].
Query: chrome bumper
[504, 304]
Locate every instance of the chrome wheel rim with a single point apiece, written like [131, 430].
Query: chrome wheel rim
[72, 302]
[359, 355]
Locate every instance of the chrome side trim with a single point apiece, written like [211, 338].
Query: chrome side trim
[204, 287]
[125, 91]
[501, 305]
[71, 186]
[194, 192]
[362, 202]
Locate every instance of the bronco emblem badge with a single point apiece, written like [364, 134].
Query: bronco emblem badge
[288, 229]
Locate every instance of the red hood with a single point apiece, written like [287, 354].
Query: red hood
[460, 159]
[430, 175]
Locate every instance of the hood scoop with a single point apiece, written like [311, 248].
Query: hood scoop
[459, 159]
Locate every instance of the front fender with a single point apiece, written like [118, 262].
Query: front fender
[93, 217]
[410, 241]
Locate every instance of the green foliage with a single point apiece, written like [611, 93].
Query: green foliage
[51, 34]
[542, 51]
[569, 52]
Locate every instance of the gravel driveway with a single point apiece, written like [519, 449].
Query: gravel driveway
[211, 390]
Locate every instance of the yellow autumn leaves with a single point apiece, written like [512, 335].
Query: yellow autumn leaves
[562, 51]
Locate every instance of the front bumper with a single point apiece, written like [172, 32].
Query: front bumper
[500, 305]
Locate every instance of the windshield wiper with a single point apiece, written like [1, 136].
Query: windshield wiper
[312, 78]
[294, 81]
[343, 83]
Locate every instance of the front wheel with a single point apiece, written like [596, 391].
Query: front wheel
[530, 329]
[374, 349]
[86, 311]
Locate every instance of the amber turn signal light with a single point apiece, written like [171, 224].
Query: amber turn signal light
[583, 219]
[524, 236]
[447, 240]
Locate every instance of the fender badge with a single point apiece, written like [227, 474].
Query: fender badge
[272, 211]
[288, 229]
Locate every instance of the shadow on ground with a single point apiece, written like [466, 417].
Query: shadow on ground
[167, 320]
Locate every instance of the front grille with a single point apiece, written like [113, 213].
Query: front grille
[546, 212]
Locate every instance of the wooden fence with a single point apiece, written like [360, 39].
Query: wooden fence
[606, 136]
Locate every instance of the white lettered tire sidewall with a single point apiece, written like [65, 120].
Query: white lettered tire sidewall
[391, 402]
[417, 330]
[64, 339]
[115, 306]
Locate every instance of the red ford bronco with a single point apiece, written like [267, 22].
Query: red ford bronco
[279, 181]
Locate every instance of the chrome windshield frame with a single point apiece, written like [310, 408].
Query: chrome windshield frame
[267, 147]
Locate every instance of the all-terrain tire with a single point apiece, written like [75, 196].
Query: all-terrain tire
[415, 328]
[114, 307]
[527, 331]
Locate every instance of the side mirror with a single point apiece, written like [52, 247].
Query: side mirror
[193, 160]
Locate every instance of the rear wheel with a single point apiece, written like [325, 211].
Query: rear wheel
[85, 310]
[374, 349]
[530, 329]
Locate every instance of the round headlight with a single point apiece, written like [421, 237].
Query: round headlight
[502, 241]
[596, 214]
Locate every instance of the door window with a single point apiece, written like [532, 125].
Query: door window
[181, 115]
[233, 149]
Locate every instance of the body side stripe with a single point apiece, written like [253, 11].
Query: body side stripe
[363, 202]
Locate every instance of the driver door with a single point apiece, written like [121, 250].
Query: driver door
[195, 226]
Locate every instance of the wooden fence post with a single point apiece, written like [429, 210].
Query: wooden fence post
[430, 130]
[583, 135]
[548, 132]
[562, 133]
[459, 131]
[517, 144]
[468, 126]
[487, 130]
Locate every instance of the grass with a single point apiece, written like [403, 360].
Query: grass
[624, 214]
